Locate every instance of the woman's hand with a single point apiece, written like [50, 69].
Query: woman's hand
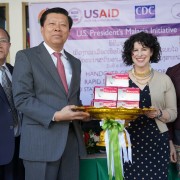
[173, 155]
[159, 114]
[153, 113]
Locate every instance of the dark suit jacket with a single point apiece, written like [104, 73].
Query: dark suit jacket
[7, 140]
[38, 94]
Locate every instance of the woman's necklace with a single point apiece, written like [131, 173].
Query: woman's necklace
[142, 78]
[142, 74]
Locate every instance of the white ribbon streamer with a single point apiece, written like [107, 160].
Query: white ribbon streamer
[125, 147]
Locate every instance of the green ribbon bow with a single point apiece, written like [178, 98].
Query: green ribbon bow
[114, 129]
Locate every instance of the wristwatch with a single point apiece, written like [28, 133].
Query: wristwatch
[160, 114]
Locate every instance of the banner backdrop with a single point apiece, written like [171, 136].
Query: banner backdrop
[100, 29]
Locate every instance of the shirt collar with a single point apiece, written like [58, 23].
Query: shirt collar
[51, 51]
[5, 66]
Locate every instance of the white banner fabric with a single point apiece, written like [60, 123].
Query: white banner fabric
[100, 29]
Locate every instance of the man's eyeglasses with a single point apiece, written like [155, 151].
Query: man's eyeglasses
[3, 41]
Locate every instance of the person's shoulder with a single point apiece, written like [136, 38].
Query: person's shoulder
[158, 73]
[177, 66]
[161, 75]
[31, 49]
[162, 79]
[172, 70]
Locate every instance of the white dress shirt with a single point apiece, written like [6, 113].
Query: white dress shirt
[67, 66]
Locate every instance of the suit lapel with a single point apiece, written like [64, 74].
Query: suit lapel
[74, 79]
[2, 94]
[48, 63]
[9, 67]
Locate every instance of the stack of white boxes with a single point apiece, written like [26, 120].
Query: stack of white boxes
[116, 93]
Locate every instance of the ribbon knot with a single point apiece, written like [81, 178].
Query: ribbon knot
[113, 128]
[111, 124]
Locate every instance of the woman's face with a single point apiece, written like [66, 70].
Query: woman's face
[141, 55]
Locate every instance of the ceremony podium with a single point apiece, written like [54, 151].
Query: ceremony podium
[94, 167]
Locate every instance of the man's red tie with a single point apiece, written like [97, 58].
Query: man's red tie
[61, 71]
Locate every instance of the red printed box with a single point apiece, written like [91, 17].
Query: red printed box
[104, 103]
[128, 94]
[105, 93]
[128, 104]
[120, 80]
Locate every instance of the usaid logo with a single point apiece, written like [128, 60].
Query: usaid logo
[76, 15]
[145, 12]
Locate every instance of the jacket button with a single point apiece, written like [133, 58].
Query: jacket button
[11, 127]
[9, 110]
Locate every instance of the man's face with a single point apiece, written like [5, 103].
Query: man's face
[55, 30]
[4, 46]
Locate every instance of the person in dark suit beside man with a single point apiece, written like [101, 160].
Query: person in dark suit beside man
[11, 167]
[51, 137]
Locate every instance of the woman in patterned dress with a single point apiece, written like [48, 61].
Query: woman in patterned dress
[149, 132]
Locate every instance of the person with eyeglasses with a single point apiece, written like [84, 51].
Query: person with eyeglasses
[11, 167]
[149, 133]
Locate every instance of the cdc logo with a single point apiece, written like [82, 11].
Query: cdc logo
[176, 10]
[145, 12]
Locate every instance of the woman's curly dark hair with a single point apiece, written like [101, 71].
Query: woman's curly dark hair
[145, 39]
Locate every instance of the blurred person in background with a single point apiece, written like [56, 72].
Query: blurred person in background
[174, 127]
[11, 167]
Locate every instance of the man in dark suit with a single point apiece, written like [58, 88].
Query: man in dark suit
[51, 136]
[9, 131]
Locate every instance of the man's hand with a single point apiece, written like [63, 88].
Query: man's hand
[67, 114]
